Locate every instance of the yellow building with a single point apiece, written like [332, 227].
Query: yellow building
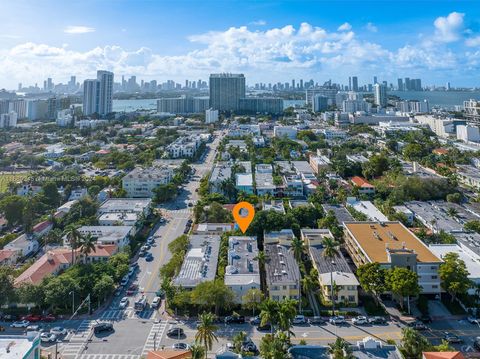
[282, 273]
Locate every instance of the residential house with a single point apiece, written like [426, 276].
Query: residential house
[363, 186]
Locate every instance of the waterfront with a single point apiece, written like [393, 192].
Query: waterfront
[447, 99]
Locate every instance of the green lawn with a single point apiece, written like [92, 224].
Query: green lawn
[7, 177]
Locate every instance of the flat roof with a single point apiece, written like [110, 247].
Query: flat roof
[369, 209]
[471, 260]
[242, 266]
[244, 179]
[435, 216]
[281, 266]
[18, 345]
[200, 263]
[340, 212]
[375, 237]
[124, 205]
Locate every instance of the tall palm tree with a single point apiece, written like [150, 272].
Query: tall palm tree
[340, 349]
[87, 245]
[286, 313]
[298, 249]
[269, 313]
[261, 257]
[330, 251]
[73, 236]
[206, 332]
[238, 340]
[197, 351]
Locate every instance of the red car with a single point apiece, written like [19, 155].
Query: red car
[32, 318]
[132, 289]
[49, 318]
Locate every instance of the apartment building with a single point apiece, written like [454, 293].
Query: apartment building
[184, 147]
[141, 182]
[392, 245]
[242, 272]
[283, 237]
[282, 273]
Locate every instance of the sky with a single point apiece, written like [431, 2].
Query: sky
[268, 41]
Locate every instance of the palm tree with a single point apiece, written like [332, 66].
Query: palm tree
[87, 245]
[269, 313]
[73, 236]
[340, 349]
[286, 313]
[197, 351]
[238, 340]
[330, 251]
[206, 332]
[298, 249]
[452, 212]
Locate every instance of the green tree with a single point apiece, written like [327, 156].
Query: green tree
[31, 294]
[197, 351]
[206, 331]
[238, 340]
[454, 275]
[298, 249]
[87, 245]
[473, 226]
[164, 193]
[273, 347]
[443, 347]
[213, 294]
[372, 279]
[413, 344]
[12, 208]
[103, 287]
[50, 193]
[340, 349]
[58, 289]
[376, 166]
[286, 313]
[269, 313]
[7, 290]
[404, 283]
[74, 237]
[252, 299]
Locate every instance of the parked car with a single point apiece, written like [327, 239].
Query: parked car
[316, 320]
[58, 331]
[417, 325]
[360, 320]
[377, 320]
[180, 346]
[249, 347]
[102, 327]
[338, 320]
[149, 257]
[452, 338]
[125, 280]
[146, 247]
[235, 319]
[34, 328]
[264, 328]
[255, 320]
[20, 324]
[123, 303]
[48, 338]
[132, 289]
[175, 332]
[142, 253]
[9, 317]
[32, 318]
[156, 302]
[299, 319]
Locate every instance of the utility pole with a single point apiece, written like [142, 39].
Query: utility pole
[72, 293]
[155, 341]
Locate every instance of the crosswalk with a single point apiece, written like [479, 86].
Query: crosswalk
[129, 313]
[154, 337]
[77, 341]
[108, 356]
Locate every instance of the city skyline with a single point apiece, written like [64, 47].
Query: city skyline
[280, 41]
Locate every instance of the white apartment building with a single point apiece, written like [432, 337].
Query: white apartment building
[285, 131]
[441, 126]
[184, 146]
[140, 182]
[242, 272]
[8, 120]
[211, 116]
[468, 133]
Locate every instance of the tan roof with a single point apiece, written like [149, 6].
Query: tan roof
[169, 354]
[375, 237]
[443, 355]
[51, 262]
[5, 254]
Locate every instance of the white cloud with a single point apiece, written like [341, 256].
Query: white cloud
[78, 30]
[371, 27]
[473, 41]
[345, 27]
[258, 23]
[262, 55]
[449, 28]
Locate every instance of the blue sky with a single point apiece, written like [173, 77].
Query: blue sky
[267, 40]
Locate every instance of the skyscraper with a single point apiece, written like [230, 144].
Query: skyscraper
[380, 91]
[400, 84]
[375, 80]
[91, 92]
[355, 83]
[105, 98]
[226, 90]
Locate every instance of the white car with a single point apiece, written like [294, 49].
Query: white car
[48, 338]
[360, 320]
[58, 331]
[123, 303]
[124, 281]
[337, 320]
[20, 324]
[156, 302]
[299, 319]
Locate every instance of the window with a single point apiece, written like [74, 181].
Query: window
[434, 277]
[435, 286]
[351, 298]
